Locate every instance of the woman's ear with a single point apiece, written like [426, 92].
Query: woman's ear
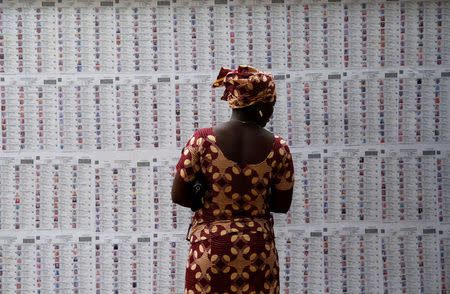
[267, 110]
[263, 113]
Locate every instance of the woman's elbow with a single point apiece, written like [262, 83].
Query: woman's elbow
[281, 201]
[280, 209]
[176, 197]
[177, 200]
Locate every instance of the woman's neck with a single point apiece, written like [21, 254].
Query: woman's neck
[244, 117]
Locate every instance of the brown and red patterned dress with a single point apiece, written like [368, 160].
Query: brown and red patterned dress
[232, 239]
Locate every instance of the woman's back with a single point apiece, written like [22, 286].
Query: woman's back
[244, 142]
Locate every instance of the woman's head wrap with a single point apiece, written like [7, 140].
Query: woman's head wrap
[246, 86]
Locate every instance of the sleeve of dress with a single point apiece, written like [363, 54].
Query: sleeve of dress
[189, 163]
[284, 179]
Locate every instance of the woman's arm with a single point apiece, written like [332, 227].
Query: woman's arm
[180, 190]
[187, 167]
[280, 200]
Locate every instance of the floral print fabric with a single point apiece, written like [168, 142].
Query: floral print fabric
[232, 239]
[246, 86]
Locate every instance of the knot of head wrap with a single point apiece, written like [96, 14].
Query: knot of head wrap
[246, 86]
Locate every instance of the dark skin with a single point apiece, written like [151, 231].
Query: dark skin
[244, 143]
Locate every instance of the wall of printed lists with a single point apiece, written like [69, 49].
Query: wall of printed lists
[98, 98]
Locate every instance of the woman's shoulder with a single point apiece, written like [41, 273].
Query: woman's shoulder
[203, 132]
[279, 141]
[202, 137]
[280, 146]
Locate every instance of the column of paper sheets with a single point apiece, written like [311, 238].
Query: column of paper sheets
[98, 98]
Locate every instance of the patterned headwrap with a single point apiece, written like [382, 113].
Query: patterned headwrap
[246, 86]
